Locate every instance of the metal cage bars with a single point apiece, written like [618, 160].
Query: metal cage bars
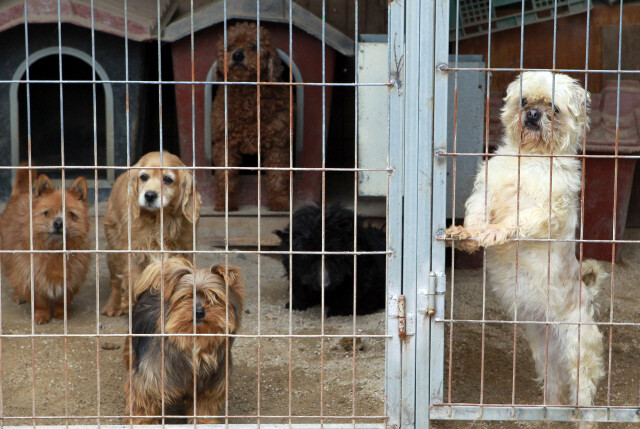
[227, 251]
[444, 408]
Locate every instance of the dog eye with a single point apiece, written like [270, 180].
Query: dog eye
[72, 215]
[167, 180]
[252, 46]
[229, 47]
[556, 110]
[144, 177]
[46, 212]
[524, 102]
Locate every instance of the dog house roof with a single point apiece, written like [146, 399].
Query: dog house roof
[108, 16]
[270, 11]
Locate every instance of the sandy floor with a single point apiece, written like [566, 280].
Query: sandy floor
[623, 374]
[95, 373]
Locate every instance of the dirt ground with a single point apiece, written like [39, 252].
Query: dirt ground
[623, 374]
[95, 374]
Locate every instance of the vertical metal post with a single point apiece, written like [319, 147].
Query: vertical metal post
[414, 101]
[438, 201]
[393, 354]
[425, 113]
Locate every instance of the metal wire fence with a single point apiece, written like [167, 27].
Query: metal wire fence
[488, 371]
[85, 385]
[449, 352]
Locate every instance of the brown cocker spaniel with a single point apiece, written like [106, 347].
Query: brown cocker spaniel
[276, 110]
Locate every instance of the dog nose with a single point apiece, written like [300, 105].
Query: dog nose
[150, 196]
[533, 115]
[199, 312]
[238, 55]
[57, 224]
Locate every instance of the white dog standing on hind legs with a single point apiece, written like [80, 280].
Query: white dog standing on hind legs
[549, 286]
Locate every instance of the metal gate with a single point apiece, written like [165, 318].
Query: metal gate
[418, 55]
[420, 74]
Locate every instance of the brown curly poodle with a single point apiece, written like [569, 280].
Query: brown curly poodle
[275, 124]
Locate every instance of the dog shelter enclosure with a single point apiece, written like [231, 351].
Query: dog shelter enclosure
[426, 99]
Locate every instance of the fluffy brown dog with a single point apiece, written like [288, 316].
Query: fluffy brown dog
[178, 203]
[49, 222]
[275, 126]
[218, 292]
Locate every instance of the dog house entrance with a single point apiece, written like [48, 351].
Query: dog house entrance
[76, 120]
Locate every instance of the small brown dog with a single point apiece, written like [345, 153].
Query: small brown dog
[49, 222]
[153, 191]
[242, 120]
[219, 292]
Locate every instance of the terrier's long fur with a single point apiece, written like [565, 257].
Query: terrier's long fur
[548, 208]
[48, 221]
[180, 207]
[219, 292]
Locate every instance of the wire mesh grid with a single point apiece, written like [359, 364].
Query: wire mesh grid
[85, 385]
[504, 323]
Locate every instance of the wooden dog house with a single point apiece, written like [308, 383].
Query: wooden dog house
[307, 62]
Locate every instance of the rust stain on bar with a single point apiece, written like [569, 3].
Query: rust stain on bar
[402, 319]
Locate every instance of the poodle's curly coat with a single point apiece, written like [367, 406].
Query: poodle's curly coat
[276, 110]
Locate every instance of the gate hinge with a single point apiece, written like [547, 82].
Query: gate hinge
[427, 297]
[406, 321]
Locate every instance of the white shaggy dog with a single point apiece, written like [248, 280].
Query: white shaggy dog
[548, 288]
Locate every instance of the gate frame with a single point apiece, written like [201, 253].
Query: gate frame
[431, 293]
[418, 53]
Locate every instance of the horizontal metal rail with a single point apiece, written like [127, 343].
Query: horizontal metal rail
[212, 426]
[193, 82]
[165, 335]
[541, 413]
[185, 168]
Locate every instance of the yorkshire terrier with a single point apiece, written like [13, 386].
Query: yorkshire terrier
[50, 224]
[200, 301]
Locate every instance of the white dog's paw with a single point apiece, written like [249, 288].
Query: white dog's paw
[494, 235]
[461, 235]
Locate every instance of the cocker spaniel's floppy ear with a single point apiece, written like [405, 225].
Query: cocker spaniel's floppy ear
[191, 199]
[132, 192]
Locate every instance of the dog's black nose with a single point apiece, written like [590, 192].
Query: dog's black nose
[238, 55]
[199, 312]
[533, 115]
[150, 196]
[57, 224]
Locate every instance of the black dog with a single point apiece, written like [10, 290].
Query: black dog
[306, 270]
